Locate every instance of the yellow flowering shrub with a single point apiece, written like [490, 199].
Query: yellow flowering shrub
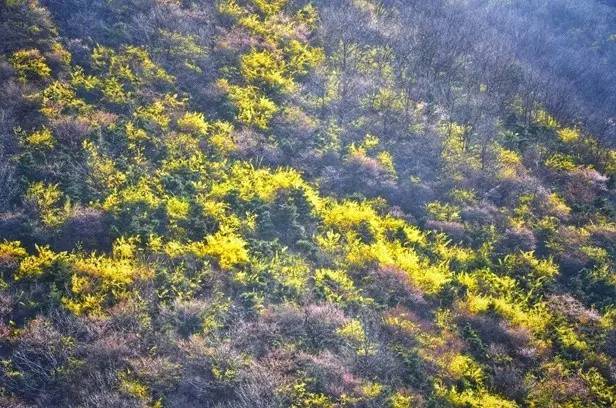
[464, 367]
[98, 280]
[41, 139]
[401, 400]
[30, 64]
[265, 68]
[49, 201]
[11, 251]
[177, 208]
[568, 135]
[264, 184]
[253, 108]
[269, 7]
[45, 261]
[354, 334]
[193, 123]
[227, 247]
[302, 57]
[543, 118]
[336, 286]
[348, 216]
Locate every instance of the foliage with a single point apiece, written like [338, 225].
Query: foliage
[309, 204]
[263, 68]
[227, 247]
[30, 64]
[253, 108]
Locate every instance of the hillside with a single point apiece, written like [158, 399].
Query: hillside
[308, 204]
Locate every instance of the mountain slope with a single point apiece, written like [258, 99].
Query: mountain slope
[304, 204]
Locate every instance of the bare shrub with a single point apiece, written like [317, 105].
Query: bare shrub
[71, 132]
[454, 230]
[392, 287]
[86, 227]
[515, 240]
[8, 183]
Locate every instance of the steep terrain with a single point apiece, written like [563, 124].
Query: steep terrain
[291, 203]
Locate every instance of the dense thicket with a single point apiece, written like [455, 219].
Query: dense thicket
[290, 203]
